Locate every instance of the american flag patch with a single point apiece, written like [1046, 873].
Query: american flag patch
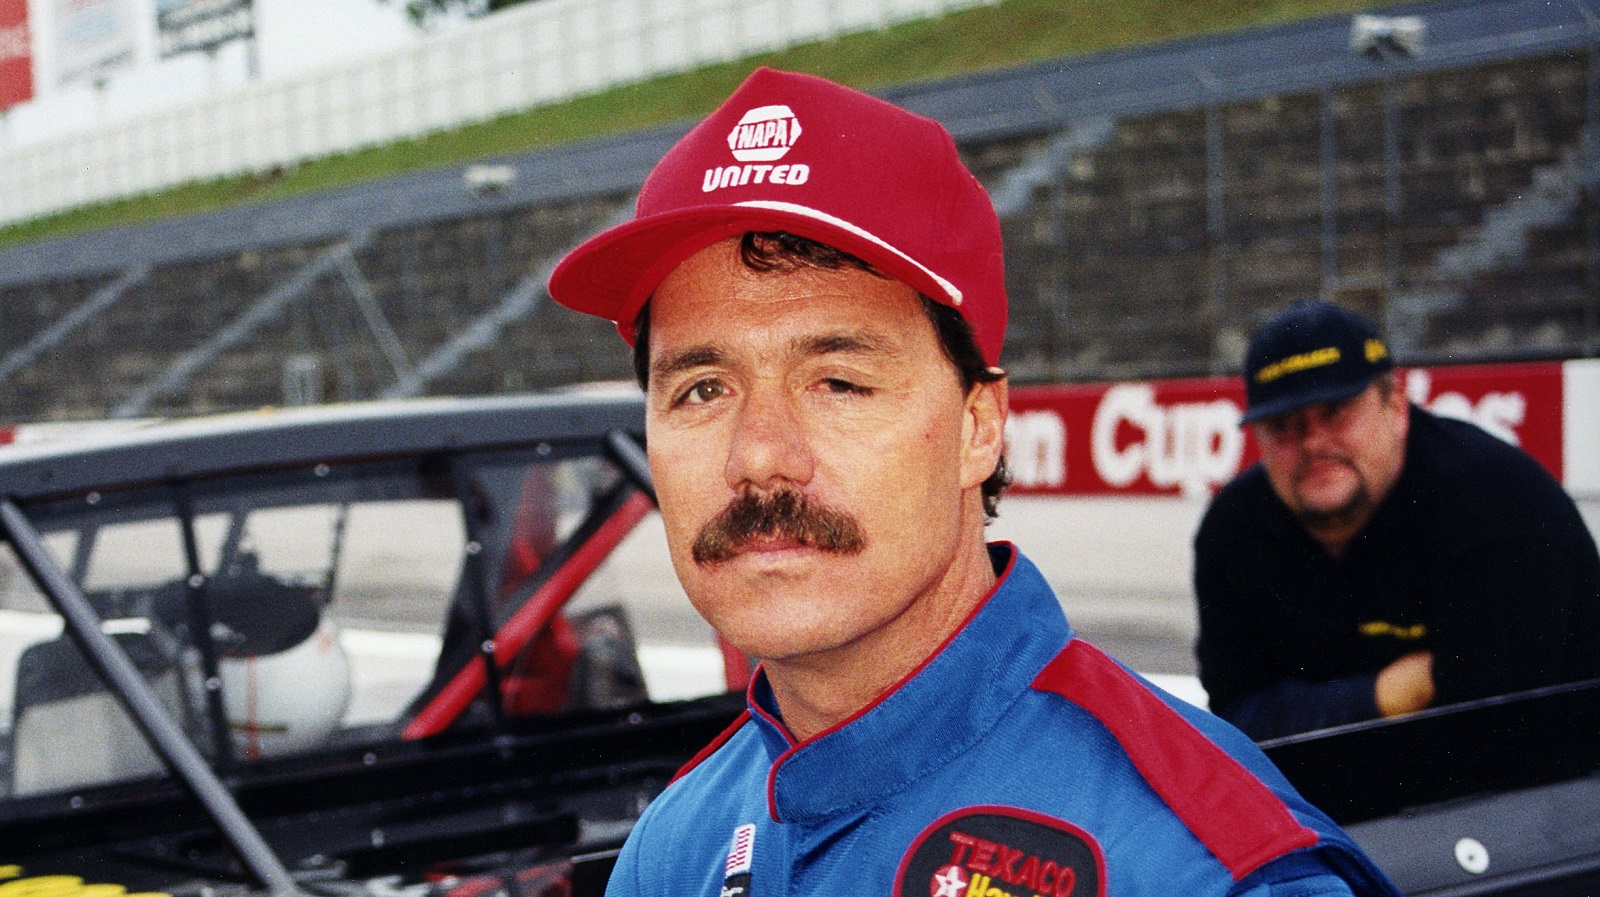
[744, 843]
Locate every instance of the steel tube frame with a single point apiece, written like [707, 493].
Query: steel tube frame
[130, 688]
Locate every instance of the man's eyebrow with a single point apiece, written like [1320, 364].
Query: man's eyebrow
[861, 342]
[685, 359]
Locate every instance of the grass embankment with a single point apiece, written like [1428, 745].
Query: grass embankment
[1007, 33]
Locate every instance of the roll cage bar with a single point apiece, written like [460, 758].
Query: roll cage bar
[557, 580]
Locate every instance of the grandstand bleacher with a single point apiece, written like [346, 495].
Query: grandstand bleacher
[1157, 203]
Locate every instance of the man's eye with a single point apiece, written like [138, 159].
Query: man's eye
[702, 391]
[845, 387]
[1280, 428]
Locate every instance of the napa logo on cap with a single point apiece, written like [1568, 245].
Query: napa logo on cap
[764, 134]
[762, 137]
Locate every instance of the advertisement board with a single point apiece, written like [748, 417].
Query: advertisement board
[93, 38]
[184, 26]
[16, 54]
[1182, 437]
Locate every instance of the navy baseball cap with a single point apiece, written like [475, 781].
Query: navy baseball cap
[1313, 352]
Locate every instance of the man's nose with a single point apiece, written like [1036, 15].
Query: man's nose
[769, 446]
[1316, 428]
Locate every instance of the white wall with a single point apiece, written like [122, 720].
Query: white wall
[1580, 421]
[527, 56]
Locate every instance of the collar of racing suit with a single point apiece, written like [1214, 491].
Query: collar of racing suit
[943, 708]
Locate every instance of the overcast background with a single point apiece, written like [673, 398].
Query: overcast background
[293, 36]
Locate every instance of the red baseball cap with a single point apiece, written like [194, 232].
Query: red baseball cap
[801, 154]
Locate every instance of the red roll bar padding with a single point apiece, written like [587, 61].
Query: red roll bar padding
[529, 619]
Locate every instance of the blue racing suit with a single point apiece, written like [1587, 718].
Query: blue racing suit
[1017, 761]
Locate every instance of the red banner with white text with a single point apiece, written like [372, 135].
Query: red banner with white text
[1183, 436]
[16, 54]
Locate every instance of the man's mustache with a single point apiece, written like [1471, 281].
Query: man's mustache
[787, 513]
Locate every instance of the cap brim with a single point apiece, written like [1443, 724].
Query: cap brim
[613, 274]
[1332, 392]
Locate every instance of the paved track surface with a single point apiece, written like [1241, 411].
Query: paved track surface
[1120, 567]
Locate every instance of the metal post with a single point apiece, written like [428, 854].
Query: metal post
[631, 456]
[134, 693]
[476, 572]
[197, 589]
[1328, 134]
[1217, 255]
[1216, 212]
[1391, 189]
[1590, 178]
[367, 303]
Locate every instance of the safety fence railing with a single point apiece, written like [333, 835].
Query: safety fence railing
[527, 56]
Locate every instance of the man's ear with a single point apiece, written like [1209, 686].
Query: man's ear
[1400, 407]
[983, 431]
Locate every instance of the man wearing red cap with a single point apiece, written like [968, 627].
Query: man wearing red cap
[814, 290]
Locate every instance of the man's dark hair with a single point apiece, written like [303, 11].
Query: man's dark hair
[780, 251]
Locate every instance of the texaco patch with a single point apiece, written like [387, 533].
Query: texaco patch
[1001, 852]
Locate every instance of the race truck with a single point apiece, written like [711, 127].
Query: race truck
[435, 648]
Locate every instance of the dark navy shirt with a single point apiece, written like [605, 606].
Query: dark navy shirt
[1477, 555]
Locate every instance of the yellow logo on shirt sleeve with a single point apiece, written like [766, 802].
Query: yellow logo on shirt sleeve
[1380, 628]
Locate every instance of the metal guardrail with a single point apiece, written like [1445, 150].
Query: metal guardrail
[182, 371]
[57, 333]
